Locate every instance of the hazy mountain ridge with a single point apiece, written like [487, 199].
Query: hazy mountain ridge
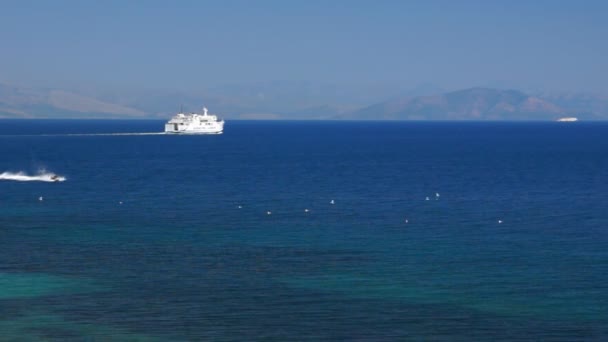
[302, 101]
[467, 104]
[586, 105]
[21, 102]
[268, 100]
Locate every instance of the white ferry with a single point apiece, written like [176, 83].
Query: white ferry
[572, 119]
[194, 123]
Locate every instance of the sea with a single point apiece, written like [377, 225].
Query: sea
[304, 231]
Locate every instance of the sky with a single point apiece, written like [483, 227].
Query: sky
[190, 45]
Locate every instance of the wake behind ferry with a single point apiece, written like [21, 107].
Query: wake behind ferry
[195, 123]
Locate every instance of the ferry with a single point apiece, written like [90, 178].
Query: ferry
[195, 123]
[567, 119]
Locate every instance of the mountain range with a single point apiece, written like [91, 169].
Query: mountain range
[21, 102]
[304, 101]
[467, 104]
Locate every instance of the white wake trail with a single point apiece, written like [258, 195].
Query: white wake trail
[83, 134]
[42, 176]
[108, 134]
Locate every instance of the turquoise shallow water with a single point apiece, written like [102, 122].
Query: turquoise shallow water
[146, 241]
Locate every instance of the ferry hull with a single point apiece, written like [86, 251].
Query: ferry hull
[170, 128]
[191, 132]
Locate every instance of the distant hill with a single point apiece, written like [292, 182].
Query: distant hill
[20, 102]
[302, 101]
[468, 104]
[587, 106]
[318, 113]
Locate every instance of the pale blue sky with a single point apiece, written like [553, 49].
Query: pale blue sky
[555, 45]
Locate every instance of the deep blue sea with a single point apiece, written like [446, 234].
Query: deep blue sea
[437, 231]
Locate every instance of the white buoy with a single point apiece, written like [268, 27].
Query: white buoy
[120, 202]
[499, 221]
[407, 221]
[240, 207]
[437, 194]
[427, 198]
[332, 202]
[269, 213]
[40, 198]
[305, 210]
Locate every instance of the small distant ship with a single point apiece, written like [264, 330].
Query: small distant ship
[195, 123]
[571, 119]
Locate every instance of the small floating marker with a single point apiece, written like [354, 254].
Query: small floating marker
[120, 202]
[407, 221]
[437, 194]
[332, 202]
[499, 221]
[269, 213]
[305, 210]
[240, 207]
[427, 198]
[41, 198]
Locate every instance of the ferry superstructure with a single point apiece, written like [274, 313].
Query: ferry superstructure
[195, 123]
